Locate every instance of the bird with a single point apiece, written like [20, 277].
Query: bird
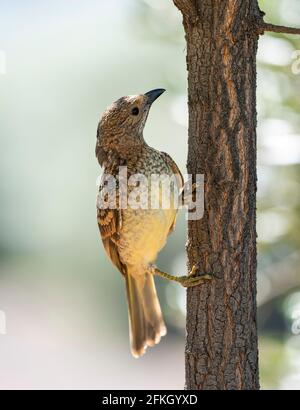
[132, 237]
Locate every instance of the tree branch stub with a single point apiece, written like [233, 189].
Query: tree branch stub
[278, 29]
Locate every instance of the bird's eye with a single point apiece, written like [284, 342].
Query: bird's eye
[135, 111]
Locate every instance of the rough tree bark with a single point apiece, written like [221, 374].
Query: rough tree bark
[222, 38]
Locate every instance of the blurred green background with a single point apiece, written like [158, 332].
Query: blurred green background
[65, 308]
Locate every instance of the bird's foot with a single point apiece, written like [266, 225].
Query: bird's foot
[189, 191]
[192, 279]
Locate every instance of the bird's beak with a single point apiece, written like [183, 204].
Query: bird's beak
[154, 94]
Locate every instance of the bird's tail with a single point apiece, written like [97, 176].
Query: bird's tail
[146, 324]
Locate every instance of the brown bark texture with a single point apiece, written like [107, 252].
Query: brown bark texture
[222, 38]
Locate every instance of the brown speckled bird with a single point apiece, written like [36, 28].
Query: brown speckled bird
[132, 238]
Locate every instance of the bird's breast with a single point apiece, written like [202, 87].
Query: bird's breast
[144, 234]
[150, 212]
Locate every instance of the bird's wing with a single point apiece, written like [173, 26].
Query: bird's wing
[110, 224]
[172, 164]
[179, 179]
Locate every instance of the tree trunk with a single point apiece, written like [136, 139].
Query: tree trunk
[221, 345]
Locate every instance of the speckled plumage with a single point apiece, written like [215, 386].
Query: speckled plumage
[133, 237]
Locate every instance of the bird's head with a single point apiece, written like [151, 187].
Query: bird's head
[121, 126]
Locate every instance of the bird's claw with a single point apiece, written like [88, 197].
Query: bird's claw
[194, 279]
[189, 192]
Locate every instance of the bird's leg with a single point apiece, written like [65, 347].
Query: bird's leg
[192, 279]
[187, 193]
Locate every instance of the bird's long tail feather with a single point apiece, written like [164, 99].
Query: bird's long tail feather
[146, 325]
